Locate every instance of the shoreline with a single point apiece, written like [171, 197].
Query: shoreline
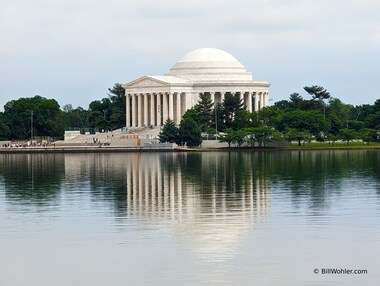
[81, 149]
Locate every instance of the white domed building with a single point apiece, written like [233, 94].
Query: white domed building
[151, 100]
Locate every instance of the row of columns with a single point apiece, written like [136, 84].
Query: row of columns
[260, 99]
[152, 109]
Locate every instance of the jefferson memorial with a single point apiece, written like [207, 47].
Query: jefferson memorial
[151, 100]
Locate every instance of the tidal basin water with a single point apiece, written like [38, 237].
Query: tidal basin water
[220, 218]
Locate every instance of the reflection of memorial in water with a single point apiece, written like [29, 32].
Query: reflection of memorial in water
[204, 197]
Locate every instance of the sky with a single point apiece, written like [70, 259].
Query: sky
[74, 50]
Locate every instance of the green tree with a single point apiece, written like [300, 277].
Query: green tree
[169, 132]
[48, 118]
[305, 121]
[265, 135]
[361, 112]
[282, 104]
[293, 134]
[341, 112]
[373, 119]
[318, 93]
[100, 112]
[117, 113]
[269, 116]
[77, 118]
[229, 136]
[204, 108]
[243, 119]
[232, 104]
[192, 114]
[4, 129]
[347, 134]
[217, 121]
[295, 100]
[369, 135]
[190, 132]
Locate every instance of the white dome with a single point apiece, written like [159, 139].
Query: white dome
[209, 64]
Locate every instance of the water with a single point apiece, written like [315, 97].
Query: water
[239, 218]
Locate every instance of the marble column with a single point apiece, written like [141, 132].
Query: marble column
[152, 117]
[212, 97]
[145, 123]
[159, 109]
[249, 101]
[222, 95]
[134, 110]
[256, 101]
[128, 111]
[261, 100]
[178, 108]
[266, 99]
[165, 107]
[171, 107]
[139, 110]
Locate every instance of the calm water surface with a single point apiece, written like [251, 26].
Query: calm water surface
[242, 218]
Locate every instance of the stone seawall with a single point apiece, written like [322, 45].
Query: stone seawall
[103, 149]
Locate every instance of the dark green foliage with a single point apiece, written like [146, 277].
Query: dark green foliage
[105, 114]
[99, 114]
[189, 132]
[347, 134]
[232, 104]
[117, 113]
[78, 118]
[310, 121]
[192, 114]
[317, 92]
[293, 134]
[229, 137]
[261, 135]
[243, 119]
[4, 129]
[48, 119]
[169, 132]
[282, 105]
[204, 109]
[369, 135]
[269, 116]
[218, 116]
[361, 112]
[294, 101]
[340, 112]
[373, 120]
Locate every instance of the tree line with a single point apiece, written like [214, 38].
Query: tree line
[39, 116]
[320, 117]
[316, 116]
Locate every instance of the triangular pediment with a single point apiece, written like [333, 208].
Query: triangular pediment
[146, 81]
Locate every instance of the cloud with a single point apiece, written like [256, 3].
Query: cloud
[73, 50]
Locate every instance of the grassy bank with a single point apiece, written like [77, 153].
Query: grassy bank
[336, 145]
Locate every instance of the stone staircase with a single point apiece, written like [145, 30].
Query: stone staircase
[115, 138]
